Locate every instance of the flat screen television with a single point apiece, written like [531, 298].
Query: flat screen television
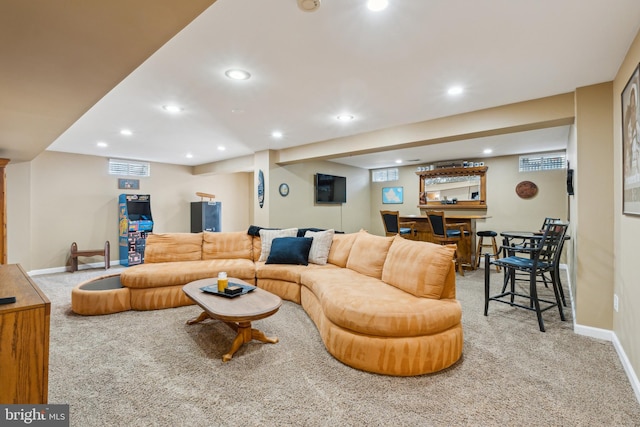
[331, 189]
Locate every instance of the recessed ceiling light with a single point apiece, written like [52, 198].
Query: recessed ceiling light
[345, 117]
[189, 156]
[455, 90]
[398, 161]
[102, 144]
[237, 74]
[488, 151]
[221, 148]
[126, 132]
[172, 108]
[276, 134]
[377, 5]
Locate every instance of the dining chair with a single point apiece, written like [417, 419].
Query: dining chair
[525, 243]
[393, 226]
[449, 233]
[542, 257]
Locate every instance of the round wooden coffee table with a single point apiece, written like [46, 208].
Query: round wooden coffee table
[237, 312]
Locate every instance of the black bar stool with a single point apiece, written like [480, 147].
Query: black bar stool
[481, 244]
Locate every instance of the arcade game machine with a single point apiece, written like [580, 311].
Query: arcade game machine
[135, 223]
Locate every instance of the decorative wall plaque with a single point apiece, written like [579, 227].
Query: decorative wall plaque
[526, 189]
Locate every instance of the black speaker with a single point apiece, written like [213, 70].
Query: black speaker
[570, 182]
[206, 216]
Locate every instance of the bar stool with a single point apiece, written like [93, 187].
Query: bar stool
[481, 244]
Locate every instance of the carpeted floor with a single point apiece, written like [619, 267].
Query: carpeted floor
[151, 369]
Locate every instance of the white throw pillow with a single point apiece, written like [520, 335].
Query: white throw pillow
[321, 245]
[267, 236]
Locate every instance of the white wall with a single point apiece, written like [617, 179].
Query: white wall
[59, 198]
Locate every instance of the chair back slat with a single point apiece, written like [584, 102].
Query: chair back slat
[391, 222]
[436, 219]
[550, 246]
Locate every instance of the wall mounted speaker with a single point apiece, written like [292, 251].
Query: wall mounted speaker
[570, 182]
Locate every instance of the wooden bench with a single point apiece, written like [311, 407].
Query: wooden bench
[75, 253]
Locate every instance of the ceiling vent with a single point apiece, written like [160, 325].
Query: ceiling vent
[309, 5]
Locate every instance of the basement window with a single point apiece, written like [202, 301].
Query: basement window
[542, 162]
[129, 168]
[384, 175]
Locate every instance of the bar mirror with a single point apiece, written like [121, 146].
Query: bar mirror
[453, 188]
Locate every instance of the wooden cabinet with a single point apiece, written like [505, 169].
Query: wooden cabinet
[24, 339]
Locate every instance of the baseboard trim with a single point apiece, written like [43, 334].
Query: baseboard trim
[65, 268]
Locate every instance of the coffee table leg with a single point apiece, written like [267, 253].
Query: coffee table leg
[245, 334]
[203, 316]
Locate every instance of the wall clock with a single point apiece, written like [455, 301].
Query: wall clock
[284, 189]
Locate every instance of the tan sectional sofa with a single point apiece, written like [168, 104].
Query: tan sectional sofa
[381, 304]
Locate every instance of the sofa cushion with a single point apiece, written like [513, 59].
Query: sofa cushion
[267, 236]
[227, 245]
[368, 254]
[173, 273]
[169, 247]
[321, 245]
[286, 273]
[290, 250]
[369, 306]
[419, 268]
[340, 248]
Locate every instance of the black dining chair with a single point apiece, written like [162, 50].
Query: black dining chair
[542, 257]
[543, 277]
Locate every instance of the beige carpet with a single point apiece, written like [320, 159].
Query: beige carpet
[151, 369]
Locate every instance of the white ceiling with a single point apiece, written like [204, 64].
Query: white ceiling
[386, 68]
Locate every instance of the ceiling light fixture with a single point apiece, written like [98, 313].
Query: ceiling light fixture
[237, 74]
[276, 134]
[189, 156]
[455, 90]
[221, 148]
[377, 5]
[126, 132]
[345, 117]
[309, 5]
[398, 161]
[172, 108]
[488, 151]
[102, 144]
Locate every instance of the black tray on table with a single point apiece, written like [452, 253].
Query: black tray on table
[213, 289]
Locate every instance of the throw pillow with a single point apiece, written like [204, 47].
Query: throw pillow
[321, 245]
[267, 236]
[290, 250]
[419, 268]
[368, 254]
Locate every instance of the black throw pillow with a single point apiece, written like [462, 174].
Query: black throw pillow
[290, 250]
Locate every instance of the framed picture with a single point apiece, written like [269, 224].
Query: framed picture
[631, 146]
[392, 195]
[128, 184]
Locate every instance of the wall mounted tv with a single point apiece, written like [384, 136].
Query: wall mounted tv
[331, 189]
